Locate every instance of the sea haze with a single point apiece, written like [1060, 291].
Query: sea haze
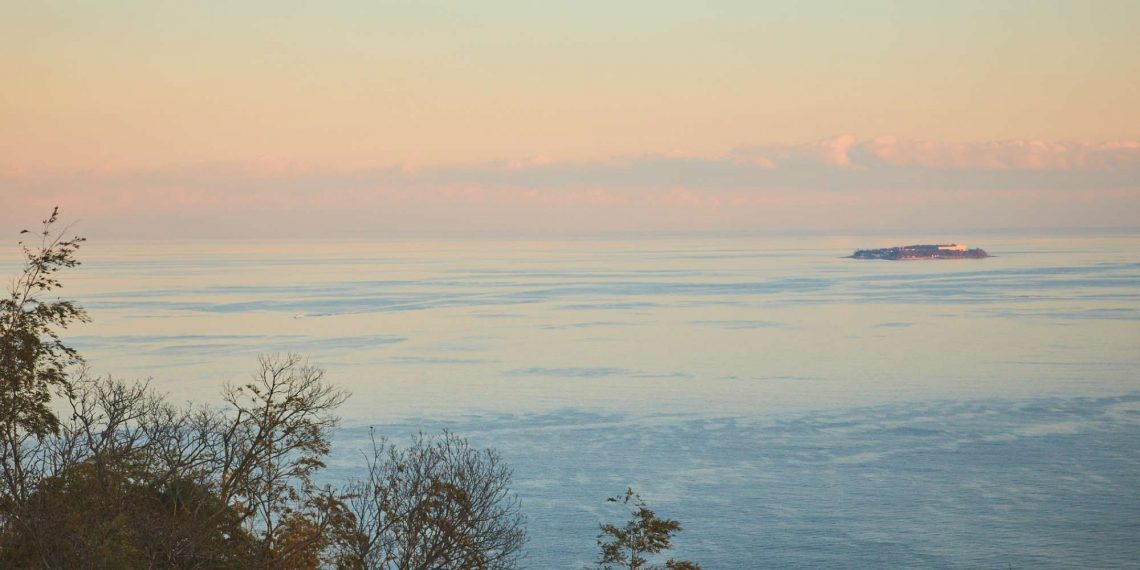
[790, 407]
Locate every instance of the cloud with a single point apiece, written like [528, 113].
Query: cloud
[1025, 155]
[833, 151]
[841, 162]
[1012, 162]
[841, 182]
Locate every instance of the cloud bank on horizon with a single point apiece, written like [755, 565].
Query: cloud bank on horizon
[837, 184]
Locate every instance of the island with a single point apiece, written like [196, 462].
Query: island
[940, 251]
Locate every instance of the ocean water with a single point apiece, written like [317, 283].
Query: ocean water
[792, 408]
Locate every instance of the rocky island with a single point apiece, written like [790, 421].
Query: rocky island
[940, 251]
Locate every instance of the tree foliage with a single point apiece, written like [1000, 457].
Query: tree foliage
[438, 504]
[129, 480]
[644, 534]
[271, 444]
[33, 359]
[125, 482]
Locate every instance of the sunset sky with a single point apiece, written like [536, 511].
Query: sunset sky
[374, 118]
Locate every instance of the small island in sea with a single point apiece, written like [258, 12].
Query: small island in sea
[939, 251]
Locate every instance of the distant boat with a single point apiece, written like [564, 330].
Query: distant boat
[906, 252]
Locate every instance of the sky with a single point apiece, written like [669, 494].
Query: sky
[152, 120]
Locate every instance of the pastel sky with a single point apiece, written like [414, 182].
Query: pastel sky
[286, 118]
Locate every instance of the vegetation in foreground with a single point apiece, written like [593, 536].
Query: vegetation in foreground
[96, 472]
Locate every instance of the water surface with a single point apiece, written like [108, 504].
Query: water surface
[789, 406]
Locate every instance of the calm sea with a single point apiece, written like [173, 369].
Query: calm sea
[792, 408]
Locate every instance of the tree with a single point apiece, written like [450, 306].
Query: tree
[34, 364]
[129, 480]
[438, 504]
[123, 520]
[33, 359]
[644, 534]
[270, 448]
[122, 483]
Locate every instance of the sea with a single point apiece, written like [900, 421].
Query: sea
[789, 406]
